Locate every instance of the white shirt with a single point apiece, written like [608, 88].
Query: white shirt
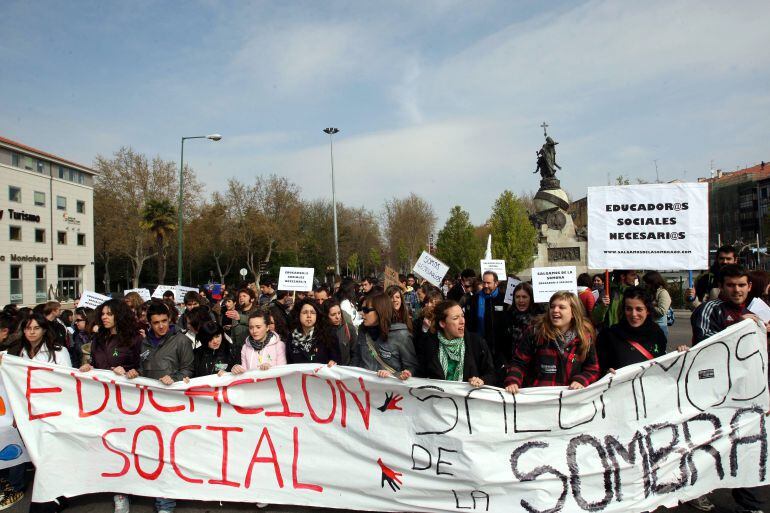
[61, 356]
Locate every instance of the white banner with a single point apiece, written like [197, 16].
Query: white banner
[144, 293]
[93, 300]
[430, 268]
[296, 278]
[651, 226]
[12, 450]
[496, 266]
[547, 280]
[652, 434]
[160, 289]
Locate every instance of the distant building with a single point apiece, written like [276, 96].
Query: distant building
[46, 226]
[578, 209]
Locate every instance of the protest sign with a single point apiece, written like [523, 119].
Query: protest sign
[651, 226]
[391, 277]
[651, 434]
[496, 266]
[547, 280]
[144, 293]
[512, 282]
[160, 289]
[181, 290]
[296, 278]
[430, 268]
[12, 451]
[91, 299]
[759, 308]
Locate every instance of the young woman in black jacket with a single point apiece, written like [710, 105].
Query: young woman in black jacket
[635, 338]
[215, 354]
[453, 354]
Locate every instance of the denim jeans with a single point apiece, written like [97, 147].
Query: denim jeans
[165, 504]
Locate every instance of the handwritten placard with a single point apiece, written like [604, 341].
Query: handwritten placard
[496, 266]
[93, 300]
[296, 278]
[143, 293]
[547, 280]
[431, 268]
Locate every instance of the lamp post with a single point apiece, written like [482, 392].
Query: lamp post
[331, 131]
[212, 137]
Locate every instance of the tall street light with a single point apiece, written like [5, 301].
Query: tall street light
[213, 137]
[331, 131]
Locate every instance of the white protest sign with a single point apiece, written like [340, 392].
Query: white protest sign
[430, 268]
[296, 278]
[181, 290]
[144, 293]
[90, 299]
[760, 309]
[547, 280]
[12, 451]
[651, 226]
[650, 435]
[161, 289]
[510, 287]
[496, 266]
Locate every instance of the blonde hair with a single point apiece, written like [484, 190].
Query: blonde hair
[545, 330]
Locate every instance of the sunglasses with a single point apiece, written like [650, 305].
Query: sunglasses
[367, 309]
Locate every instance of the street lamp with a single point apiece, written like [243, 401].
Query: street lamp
[213, 137]
[331, 131]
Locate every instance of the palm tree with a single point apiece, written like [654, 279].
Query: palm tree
[159, 218]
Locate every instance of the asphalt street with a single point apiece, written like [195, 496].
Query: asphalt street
[102, 503]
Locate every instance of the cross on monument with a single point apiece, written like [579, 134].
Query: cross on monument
[544, 126]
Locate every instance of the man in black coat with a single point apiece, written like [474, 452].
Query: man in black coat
[486, 316]
[461, 291]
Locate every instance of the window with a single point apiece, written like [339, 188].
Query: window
[70, 281]
[29, 163]
[16, 294]
[14, 233]
[39, 199]
[39, 235]
[71, 175]
[81, 207]
[61, 203]
[61, 237]
[14, 194]
[40, 284]
[40, 166]
[15, 160]
[81, 239]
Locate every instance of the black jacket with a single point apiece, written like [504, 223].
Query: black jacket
[478, 360]
[208, 361]
[615, 351]
[495, 324]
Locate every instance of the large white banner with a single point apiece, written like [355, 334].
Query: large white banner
[651, 226]
[12, 450]
[655, 433]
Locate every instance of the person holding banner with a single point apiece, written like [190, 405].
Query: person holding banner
[312, 340]
[453, 354]
[559, 351]
[117, 343]
[214, 355]
[635, 338]
[263, 348]
[383, 346]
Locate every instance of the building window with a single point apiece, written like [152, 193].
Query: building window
[15, 160]
[70, 281]
[40, 284]
[16, 285]
[39, 235]
[29, 163]
[81, 207]
[61, 238]
[14, 233]
[39, 199]
[40, 166]
[14, 194]
[61, 203]
[81, 239]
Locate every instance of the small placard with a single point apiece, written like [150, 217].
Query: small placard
[296, 278]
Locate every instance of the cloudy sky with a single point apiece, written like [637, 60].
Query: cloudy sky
[441, 98]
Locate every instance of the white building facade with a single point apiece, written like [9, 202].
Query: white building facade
[46, 226]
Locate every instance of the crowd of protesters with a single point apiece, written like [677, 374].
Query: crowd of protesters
[463, 331]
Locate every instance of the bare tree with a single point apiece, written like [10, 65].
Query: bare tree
[407, 223]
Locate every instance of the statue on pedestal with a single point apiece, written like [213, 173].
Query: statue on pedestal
[546, 164]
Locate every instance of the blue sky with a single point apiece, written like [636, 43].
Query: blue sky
[440, 98]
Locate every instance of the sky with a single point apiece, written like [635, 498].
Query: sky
[441, 98]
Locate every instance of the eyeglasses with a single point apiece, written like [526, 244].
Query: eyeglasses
[367, 309]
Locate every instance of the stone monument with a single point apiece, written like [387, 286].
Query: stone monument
[558, 242]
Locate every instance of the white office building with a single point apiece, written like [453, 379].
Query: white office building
[46, 226]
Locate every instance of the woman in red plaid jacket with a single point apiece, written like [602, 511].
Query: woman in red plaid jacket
[559, 350]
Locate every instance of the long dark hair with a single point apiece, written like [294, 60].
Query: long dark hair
[49, 337]
[654, 280]
[527, 288]
[402, 315]
[322, 330]
[125, 323]
[381, 304]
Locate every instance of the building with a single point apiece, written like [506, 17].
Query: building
[46, 226]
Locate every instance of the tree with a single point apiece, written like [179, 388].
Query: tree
[159, 218]
[513, 236]
[211, 237]
[408, 224]
[456, 244]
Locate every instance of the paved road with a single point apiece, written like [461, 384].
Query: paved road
[102, 503]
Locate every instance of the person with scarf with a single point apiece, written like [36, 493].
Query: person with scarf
[486, 316]
[312, 339]
[383, 346]
[635, 338]
[453, 354]
[263, 347]
[559, 351]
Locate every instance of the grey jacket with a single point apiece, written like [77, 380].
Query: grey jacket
[397, 351]
[173, 356]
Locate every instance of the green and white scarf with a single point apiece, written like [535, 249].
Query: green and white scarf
[454, 350]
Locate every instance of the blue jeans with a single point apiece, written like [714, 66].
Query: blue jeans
[663, 323]
[165, 504]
